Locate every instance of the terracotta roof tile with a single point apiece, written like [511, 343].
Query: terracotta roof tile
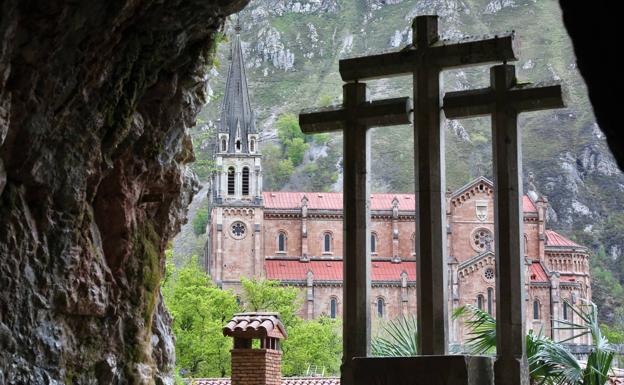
[333, 201]
[537, 273]
[331, 270]
[555, 239]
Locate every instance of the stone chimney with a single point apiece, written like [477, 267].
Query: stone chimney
[256, 366]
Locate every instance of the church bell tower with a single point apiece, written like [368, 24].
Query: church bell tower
[234, 246]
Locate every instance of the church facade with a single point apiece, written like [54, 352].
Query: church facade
[296, 237]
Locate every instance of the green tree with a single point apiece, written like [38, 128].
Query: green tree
[277, 170]
[291, 137]
[312, 344]
[266, 295]
[200, 221]
[199, 310]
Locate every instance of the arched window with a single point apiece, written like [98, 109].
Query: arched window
[414, 243]
[380, 307]
[327, 240]
[223, 145]
[490, 303]
[281, 242]
[245, 180]
[252, 145]
[480, 302]
[536, 309]
[373, 243]
[238, 144]
[231, 184]
[333, 307]
[565, 310]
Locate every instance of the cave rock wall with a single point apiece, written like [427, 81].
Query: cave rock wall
[96, 98]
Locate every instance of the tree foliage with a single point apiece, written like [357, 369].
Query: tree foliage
[397, 338]
[199, 310]
[200, 221]
[291, 137]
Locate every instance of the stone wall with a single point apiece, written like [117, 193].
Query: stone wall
[95, 102]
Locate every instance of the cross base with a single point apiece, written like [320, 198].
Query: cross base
[424, 370]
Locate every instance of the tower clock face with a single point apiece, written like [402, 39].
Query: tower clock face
[238, 230]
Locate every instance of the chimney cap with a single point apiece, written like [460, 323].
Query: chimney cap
[255, 325]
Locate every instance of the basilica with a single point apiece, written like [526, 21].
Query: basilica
[295, 238]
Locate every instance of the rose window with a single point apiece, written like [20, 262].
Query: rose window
[238, 230]
[489, 274]
[482, 240]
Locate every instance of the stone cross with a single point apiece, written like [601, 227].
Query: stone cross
[354, 118]
[504, 100]
[425, 59]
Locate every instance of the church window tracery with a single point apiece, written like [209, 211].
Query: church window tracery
[231, 181]
[333, 307]
[482, 240]
[536, 308]
[245, 181]
[281, 242]
[238, 230]
[489, 274]
[380, 307]
[373, 243]
[327, 242]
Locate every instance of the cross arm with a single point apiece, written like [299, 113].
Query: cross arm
[534, 98]
[387, 112]
[496, 49]
[319, 120]
[463, 104]
[462, 54]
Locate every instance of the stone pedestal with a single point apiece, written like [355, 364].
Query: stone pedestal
[425, 370]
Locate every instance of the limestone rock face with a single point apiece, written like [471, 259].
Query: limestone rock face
[96, 99]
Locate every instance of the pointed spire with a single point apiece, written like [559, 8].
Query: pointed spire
[237, 118]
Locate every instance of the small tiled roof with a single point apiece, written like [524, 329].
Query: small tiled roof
[285, 381]
[333, 201]
[555, 239]
[331, 270]
[255, 325]
[537, 273]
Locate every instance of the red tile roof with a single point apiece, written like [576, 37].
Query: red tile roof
[555, 239]
[528, 205]
[537, 273]
[333, 201]
[285, 381]
[327, 270]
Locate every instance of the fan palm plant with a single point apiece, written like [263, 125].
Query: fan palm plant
[550, 362]
[397, 338]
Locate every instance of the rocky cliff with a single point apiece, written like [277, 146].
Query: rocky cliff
[96, 99]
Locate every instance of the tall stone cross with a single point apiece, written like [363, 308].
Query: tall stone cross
[354, 118]
[504, 100]
[425, 59]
